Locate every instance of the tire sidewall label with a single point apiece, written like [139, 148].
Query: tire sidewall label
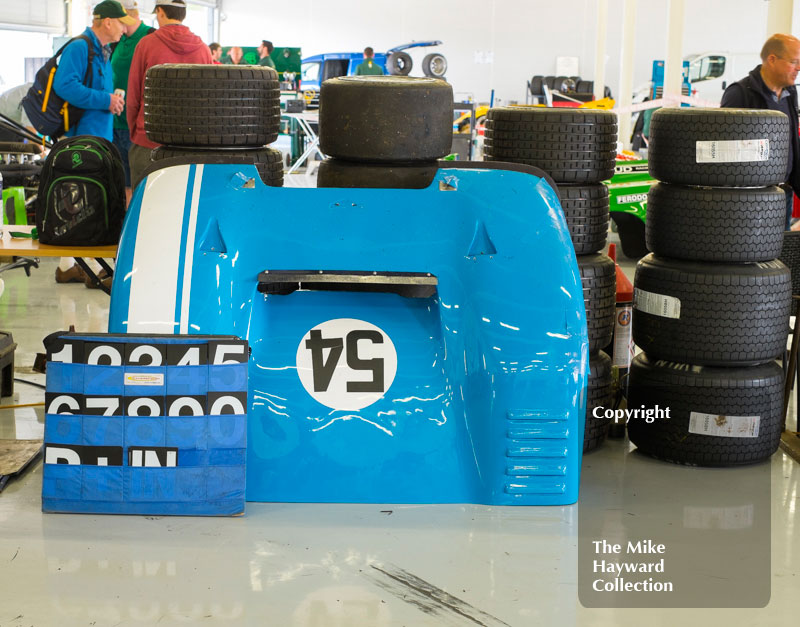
[346, 364]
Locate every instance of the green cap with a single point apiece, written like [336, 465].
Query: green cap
[113, 9]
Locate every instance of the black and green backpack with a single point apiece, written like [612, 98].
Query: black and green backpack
[81, 200]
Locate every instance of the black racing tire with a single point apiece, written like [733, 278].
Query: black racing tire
[674, 137]
[268, 161]
[631, 232]
[19, 148]
[537, 85]
[703, 399]
[211, 105]
[337, 173]
[599, 393]
[20, 174]
[386, 119]
[550, 81]
[434, 65]
[586, 212]
[714, 314]
[399, 63]
[715, 224]
[535, 137]
[558, 83]
[790, 256]
[573, 146]
[599, 281]
[584, 87]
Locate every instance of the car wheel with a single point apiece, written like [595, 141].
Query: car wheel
[434, 65]
[337, 173]
[399, 63]
[573, 146]
[711, 314]
[715, 224]
[599, 281]
[717, 416]
[268, 161]
[386, 119]
[211, 105]
[599, 393]
[586, 213]
[719, 147]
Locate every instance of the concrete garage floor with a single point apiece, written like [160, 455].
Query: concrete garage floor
[371, 565]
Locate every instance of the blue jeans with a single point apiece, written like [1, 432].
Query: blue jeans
[122, 140]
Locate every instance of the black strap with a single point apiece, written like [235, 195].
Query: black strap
[87, 78]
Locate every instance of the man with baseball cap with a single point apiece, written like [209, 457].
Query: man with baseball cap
[96, 97]
[171, 43]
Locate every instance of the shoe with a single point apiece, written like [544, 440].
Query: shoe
[74, 275]
[91, 282]
[102, 279]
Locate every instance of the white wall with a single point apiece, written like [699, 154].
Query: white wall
[522, 37]
[489, 44]
[42, 15]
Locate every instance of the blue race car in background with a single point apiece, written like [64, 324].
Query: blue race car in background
[321, 67]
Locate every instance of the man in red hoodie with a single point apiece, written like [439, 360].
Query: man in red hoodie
[171, 43]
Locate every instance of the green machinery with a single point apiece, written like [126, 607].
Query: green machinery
[627, 192]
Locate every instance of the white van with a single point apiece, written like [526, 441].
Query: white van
[711, 72]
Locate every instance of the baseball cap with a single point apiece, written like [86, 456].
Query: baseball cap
[113, 9]
[169, 3]
[129, 4]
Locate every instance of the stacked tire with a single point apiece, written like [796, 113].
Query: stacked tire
[215, 114]
[18, 166]
[711, 304]
[578, 149]
[383, 131]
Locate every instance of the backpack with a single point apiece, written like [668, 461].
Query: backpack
[50, 114]
[81, 199]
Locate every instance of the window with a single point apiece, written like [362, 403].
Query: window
[706, 68]
[309, 72]
[200, 20]
[21, 55]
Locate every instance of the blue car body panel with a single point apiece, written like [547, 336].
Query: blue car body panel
[487, 400]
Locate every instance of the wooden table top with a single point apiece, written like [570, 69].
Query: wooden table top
[26, 247]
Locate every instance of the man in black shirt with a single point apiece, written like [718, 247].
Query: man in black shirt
[771, 86]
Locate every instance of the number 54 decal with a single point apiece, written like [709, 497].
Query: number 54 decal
[346, 363]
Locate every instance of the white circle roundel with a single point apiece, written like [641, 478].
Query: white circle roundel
[346, 363]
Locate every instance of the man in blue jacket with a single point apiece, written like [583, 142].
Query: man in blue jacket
[96, 98]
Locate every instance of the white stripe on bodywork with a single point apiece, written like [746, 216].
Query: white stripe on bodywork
[156, 258]
[187, 264]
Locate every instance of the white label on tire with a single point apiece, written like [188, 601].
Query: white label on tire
[724, 426]
[346, 363]
[656, 304]
[732, 151]
[727, 518]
